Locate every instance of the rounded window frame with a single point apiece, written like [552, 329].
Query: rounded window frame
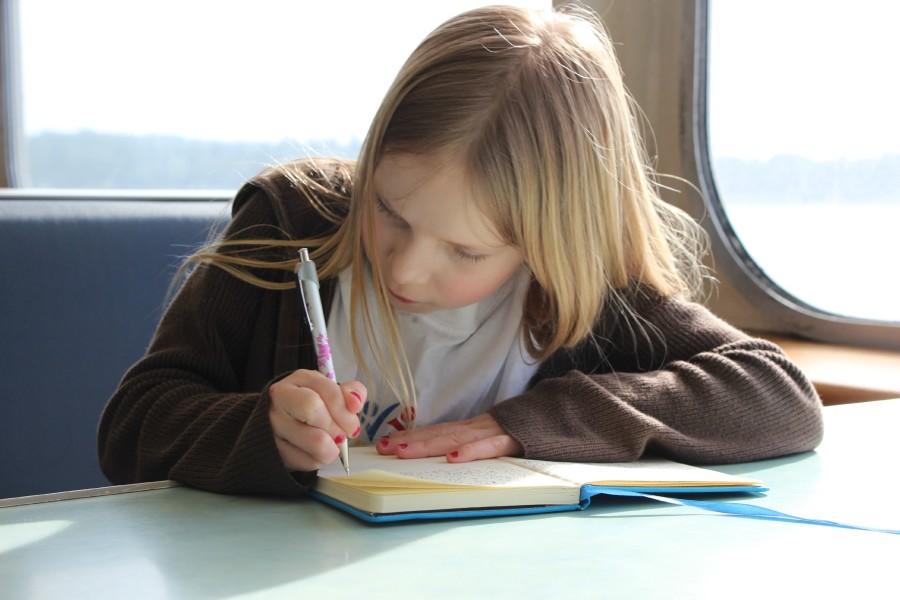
[791, 315]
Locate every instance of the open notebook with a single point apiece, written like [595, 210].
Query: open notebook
[385, 488]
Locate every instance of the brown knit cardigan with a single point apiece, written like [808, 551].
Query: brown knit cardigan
[681, 383]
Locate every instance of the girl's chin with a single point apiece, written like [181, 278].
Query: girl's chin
[418, 308]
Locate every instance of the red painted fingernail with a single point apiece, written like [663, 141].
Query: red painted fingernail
[358, 429]
[339, 438]
[454, 454]
[402, 446]
[383, 442]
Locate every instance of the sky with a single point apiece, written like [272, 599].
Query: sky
[225, 70]
[814, 79]
[811, 78]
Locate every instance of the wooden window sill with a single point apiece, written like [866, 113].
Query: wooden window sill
[844, 374]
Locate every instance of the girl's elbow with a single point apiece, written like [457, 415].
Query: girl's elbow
[798, 422]
[799, 430]
[806, 423]
[811, 429]
[117, 451]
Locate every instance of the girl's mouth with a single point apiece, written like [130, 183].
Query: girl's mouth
[400, 298]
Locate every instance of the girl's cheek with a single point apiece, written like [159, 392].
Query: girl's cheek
[461, 287]
[463, 290]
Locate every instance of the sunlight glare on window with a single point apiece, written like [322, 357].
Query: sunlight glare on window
[805, 146]
[204, 94]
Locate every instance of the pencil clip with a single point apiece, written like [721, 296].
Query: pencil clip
[304, 257]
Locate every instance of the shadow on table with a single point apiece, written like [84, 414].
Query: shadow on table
[183, 542]
[190, 543]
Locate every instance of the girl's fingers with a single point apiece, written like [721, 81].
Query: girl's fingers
[318, 445]
[478, 437]
[354, 395]
[294, 458]
[304, 393]
[299, 412]
[333, 398]
[311, 416]
[305, 406]
[435, 446]
[459, 431]
[491, 447]
[425, 433]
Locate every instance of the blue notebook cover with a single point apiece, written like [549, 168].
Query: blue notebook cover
[587, 492]
[684, 486]
[437, 472]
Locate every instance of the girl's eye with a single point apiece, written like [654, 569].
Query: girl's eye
[383, 208]
[457, 252]
[469, 257]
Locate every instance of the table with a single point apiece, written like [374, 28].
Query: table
[179, 542]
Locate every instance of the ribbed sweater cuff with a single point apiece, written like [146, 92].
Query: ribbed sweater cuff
[255, 465]
[547, 431]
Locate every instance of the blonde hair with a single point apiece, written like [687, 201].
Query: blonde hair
[533, 104]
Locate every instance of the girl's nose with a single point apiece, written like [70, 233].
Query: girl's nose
[410, 263]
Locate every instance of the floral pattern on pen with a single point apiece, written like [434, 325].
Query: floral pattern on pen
[323, 353]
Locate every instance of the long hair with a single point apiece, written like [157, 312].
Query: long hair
[532, 104]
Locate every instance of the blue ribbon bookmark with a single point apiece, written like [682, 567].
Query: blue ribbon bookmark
[736, 509]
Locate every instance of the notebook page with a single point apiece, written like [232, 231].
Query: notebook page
[371, 469]
[644, 472]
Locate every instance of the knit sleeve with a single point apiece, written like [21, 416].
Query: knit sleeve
[681, 383]
[183, 411]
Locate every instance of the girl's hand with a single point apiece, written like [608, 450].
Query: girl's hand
[460, 441]
[311, 415]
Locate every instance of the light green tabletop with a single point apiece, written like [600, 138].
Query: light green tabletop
[183, 543]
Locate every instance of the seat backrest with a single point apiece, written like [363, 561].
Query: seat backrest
[82, 287]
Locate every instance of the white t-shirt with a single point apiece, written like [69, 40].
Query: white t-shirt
[463, 361]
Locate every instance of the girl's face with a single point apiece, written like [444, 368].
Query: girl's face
[437, 251]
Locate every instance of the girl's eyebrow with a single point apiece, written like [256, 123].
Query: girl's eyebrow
[381, 200]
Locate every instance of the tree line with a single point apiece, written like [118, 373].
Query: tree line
[90, 160]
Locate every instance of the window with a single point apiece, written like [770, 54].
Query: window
[203, 94]
[805, 146]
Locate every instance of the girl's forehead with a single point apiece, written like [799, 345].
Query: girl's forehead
[399, 175]
[435, 192]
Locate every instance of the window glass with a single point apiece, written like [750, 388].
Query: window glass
[805, 146]
[203, 94]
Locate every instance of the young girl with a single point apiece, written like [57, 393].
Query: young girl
[497, 269]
